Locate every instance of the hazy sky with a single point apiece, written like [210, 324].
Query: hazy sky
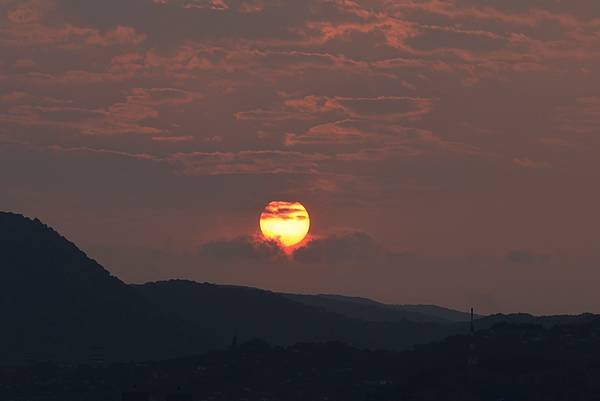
[447, 151]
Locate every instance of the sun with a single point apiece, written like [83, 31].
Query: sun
[285, 222]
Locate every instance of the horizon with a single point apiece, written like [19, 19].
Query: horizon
[350, 297]
[285, 289]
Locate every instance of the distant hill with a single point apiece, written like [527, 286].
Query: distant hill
[56, 303]
[437, 312]
[367, 309]
[544, 321]
[252, 313]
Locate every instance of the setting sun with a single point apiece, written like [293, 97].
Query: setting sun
[285, 222]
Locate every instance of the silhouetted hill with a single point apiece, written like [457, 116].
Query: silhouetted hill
[56, 303]
[367, 309]
[252, 313]
[437, 312]
[526, 318]
[284, 319]
[518, 362]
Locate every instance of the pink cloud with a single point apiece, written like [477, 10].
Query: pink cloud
[220, 5]
[69, 36]
[531, 164]
[391, 108]
[82, 149]
[173, 139]
[28, 26]
[254, 6]
[314, 104]
[246, 162]
[28, 12]
[580, 117]
[120, 35]
[119, 118]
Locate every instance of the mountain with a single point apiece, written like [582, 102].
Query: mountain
[528, 319]
[248, 313]
[367, 309]
[56, 303]
[437, 312]
[283, 319]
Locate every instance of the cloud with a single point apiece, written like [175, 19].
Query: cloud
[347, 248]
[120, 35]
[28, 12]
[219, 5]
[25, 98]
[172, 139]
[30, 24]
[253, 6]
[85, 150]
[125, 117]
[284, 210]
[142, 103]
[446, 38]
[580, 117]
[525, 257]
[312, 107]
[246, 162]
[241, 249]
[532, 164]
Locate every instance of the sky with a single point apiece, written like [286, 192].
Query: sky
[448, 152]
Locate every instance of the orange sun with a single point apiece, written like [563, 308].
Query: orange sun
[285, 222]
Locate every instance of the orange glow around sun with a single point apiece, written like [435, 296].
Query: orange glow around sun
[285, 222]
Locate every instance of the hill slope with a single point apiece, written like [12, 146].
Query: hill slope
[367, 309]
[59, 304]
[251, 313]
[509, 362]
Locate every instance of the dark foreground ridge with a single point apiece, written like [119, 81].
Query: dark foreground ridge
[57, 304]
[507, 362]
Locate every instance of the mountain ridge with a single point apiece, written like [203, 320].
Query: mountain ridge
[247, 312]
[365, 308]
[60, 304]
